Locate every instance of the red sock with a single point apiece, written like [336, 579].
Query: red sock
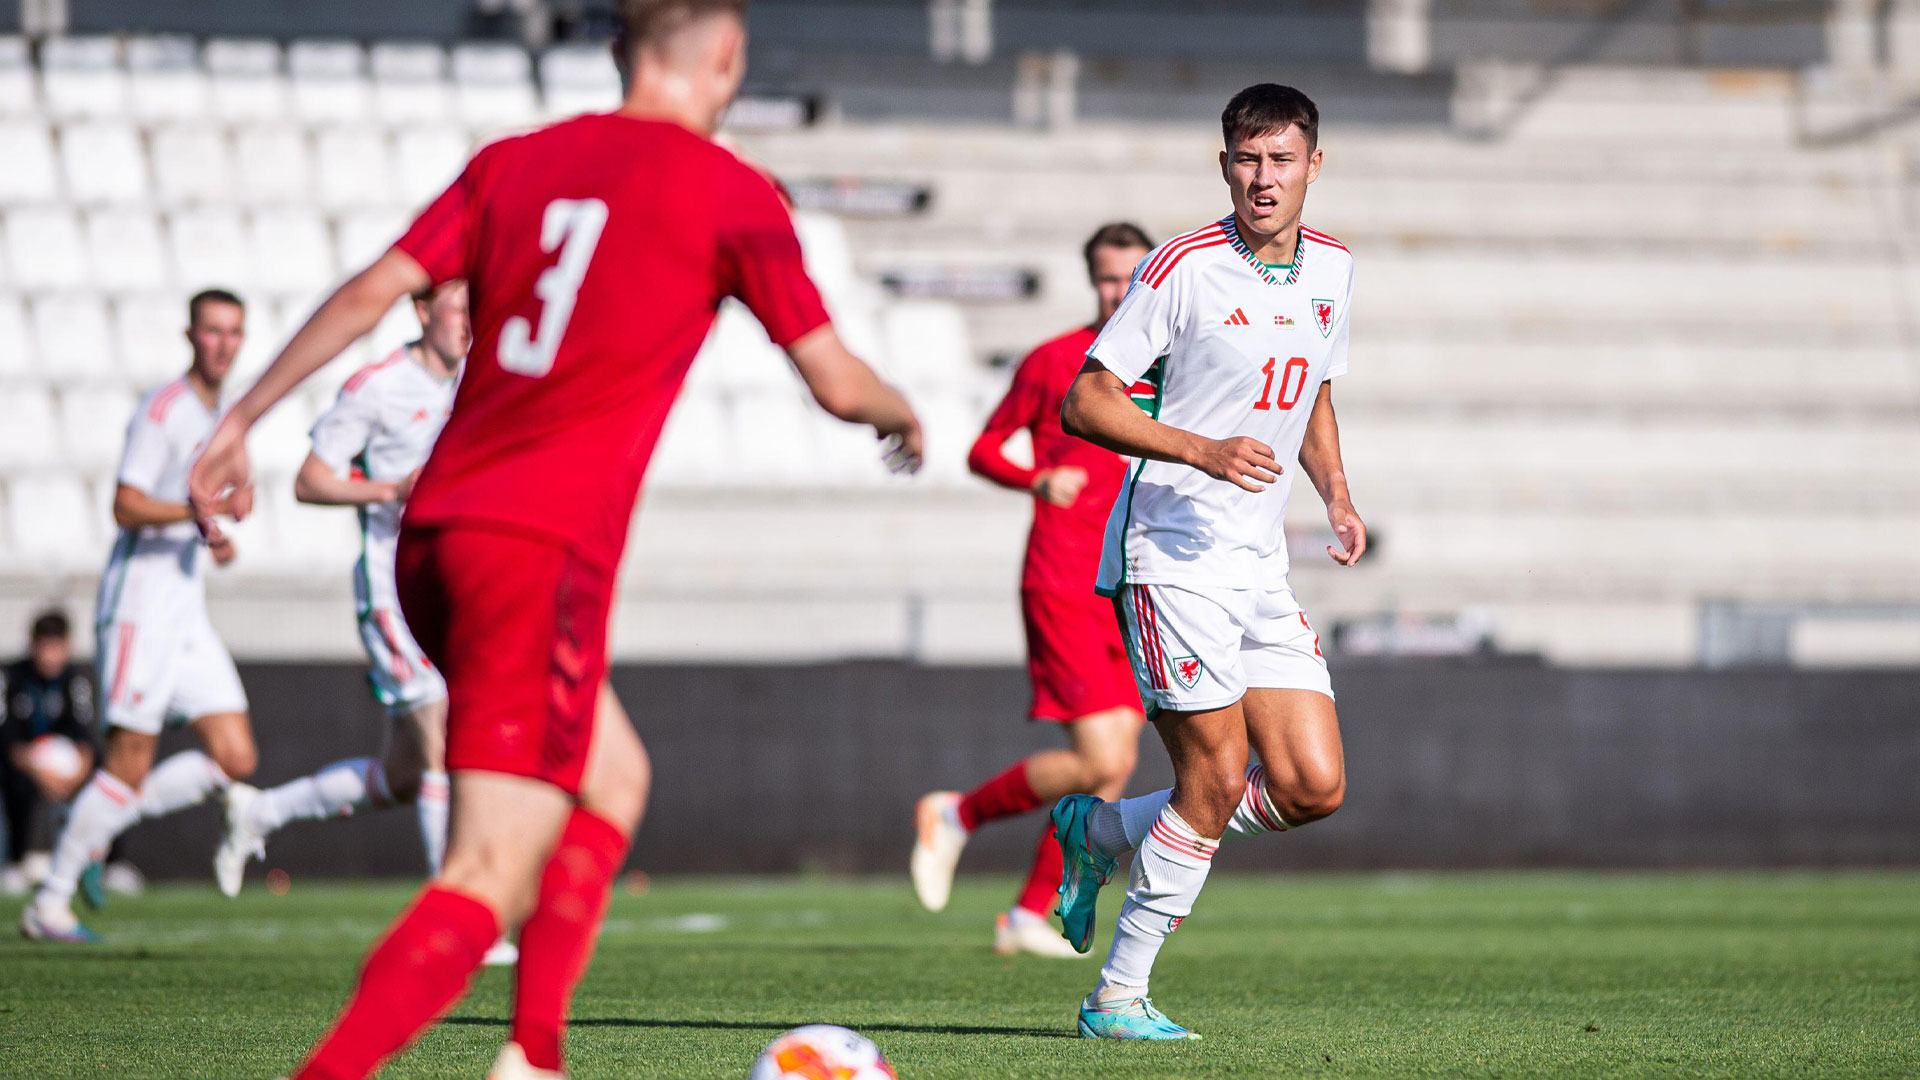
[415, 973]
[1003, 796]
[557, 942]
[1041, 893]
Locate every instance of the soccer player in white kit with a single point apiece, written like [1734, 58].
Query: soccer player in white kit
[159, 658]
[1214, 378]
[367, 450]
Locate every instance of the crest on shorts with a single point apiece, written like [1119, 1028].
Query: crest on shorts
[1323, 316]
[1174, 921]
[1188, 670]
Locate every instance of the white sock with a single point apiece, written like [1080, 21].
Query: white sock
[337, 790]
[102, 811]
[431, 808]
[183, 780]
[1167, 876]
[1256, 813]
[1117, 827]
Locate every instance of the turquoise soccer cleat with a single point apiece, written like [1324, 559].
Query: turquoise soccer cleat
[1134, 1018]
[1084, 871]
[93, 888]
[56, 925]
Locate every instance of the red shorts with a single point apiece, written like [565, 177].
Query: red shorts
[1076, 659]
[519, 629]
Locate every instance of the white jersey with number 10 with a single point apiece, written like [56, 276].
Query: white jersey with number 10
[1213, 341]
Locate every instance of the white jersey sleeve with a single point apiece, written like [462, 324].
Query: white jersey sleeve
[1145, 325]
[1337, 350]
[148, 452]
[343, 431]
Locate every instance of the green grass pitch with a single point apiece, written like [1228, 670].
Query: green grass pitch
[1405, 975]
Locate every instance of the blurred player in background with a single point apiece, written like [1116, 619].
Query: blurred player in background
[159, 657]
[367, 451]
[1076, 660]
[1237, 329]
[598, 251]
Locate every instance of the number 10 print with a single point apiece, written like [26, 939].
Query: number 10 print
[1291, 387]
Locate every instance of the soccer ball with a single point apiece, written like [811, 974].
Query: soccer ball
[822, 1052]
[56, 756]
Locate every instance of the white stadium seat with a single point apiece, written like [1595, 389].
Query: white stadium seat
[93, 425]
[18, 96]
[738, 356]
[31, 174]
[16, 347]
[264, 337]
[693, 446]
[73, 337]
[51, 521]
[103, 163]
[428, 160]
[147, 333]
[275, 164]
[292, 252]
[209, 249]
[125, 250]
[28, 439]
[353, 168]
[951, 424]
[316, 540]
[245, 79]
[192, 164]
[771, 443]
[279, 442]
[579, 78]
[493, 86]
[366, 235]
[44, 248]
[81, 76]
[329, 81]
[410, 81]
[164, 79]
[926, 344]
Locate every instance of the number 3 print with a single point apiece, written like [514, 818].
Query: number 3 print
[573, 226]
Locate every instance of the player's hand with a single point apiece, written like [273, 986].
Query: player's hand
[1060, 486]
[1243, 462]
[403, 488]
[903, 444]
[219, 544]
[220, 484]
[1349, 530]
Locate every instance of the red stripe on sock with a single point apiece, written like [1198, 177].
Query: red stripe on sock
[1002, 796]
[556, 944]
[1197, 849]
[1041, 891]
[414, 974]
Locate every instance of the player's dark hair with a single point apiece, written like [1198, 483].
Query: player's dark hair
[1267, 109]
[644, 21]
[212, 296]
[50, 624]
[1116, 234]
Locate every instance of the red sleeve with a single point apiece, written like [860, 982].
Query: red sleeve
[1019, 409]
[760, 259]
[438, 238]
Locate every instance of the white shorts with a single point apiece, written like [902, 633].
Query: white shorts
[401, 676]
[166, 667]
[1202, 648]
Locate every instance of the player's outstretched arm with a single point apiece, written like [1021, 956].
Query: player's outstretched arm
[849, 390]
[220, 480]
[134, 509]
[1099, 410]
[1320, 456]
[316, 483]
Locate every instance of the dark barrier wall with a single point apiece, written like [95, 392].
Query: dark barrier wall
[791, 768]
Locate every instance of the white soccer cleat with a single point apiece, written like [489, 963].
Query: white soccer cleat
[936, 847]
[1021, 931]
[242, 841]
[512, 1065]
[55, 923]
[503, 954]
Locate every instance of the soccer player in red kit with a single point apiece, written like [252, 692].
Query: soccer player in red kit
[1076, 659]
[596, 251]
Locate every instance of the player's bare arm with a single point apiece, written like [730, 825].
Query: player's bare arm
[849, 390]
[318, 485]
[1320, 457]
[135, 509]
[1098, 410]
[220, 482]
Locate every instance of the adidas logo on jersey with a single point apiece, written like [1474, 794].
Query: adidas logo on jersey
[1238, 318]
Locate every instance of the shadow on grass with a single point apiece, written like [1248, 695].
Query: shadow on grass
[780, 1025]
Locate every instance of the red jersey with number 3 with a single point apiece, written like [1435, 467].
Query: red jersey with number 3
[596, 253]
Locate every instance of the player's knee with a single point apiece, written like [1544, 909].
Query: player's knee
[239, 762]
[1107, 766]
[1313, 794]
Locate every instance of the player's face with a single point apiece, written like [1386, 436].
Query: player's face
[1268, 176]
[50, 656]
[216, 334]
[443, 323]
[1110, 270]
